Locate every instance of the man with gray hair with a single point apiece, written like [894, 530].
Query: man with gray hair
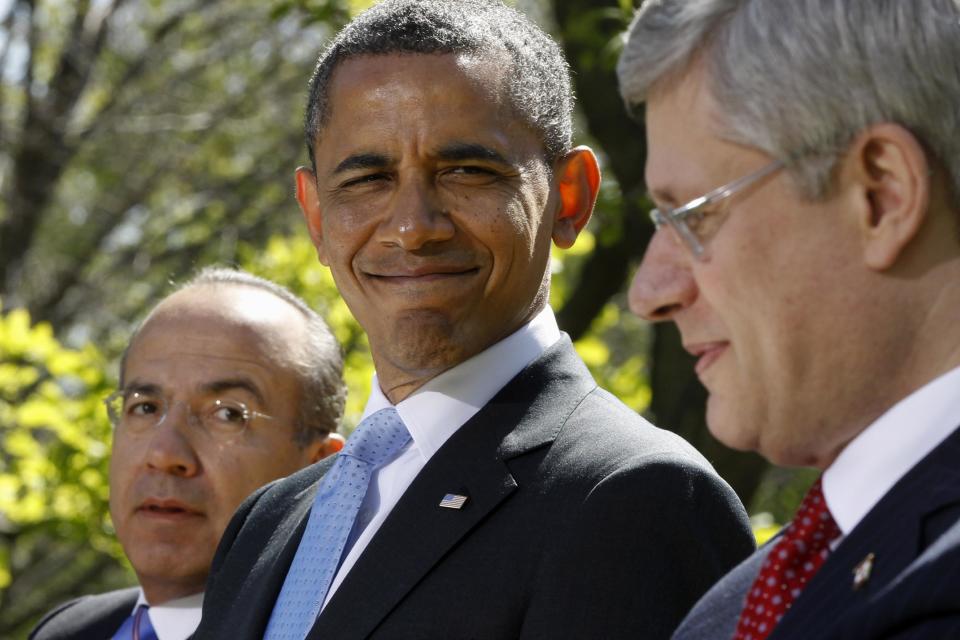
[805, 166]
[229, 383]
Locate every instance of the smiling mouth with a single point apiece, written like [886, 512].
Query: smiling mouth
[707, 354]
[422, 276]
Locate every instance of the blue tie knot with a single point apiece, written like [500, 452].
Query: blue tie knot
[378, 438]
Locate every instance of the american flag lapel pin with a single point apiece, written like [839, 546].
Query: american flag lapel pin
[861, 572]
[453, 501]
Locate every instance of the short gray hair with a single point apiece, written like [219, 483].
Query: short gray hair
[319, 361]
[799, 79]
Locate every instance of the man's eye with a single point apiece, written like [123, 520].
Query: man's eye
[223, 412]
[694, 219]
[470, 174]
[142, 408]
[470, 170]
[703, 223]
[360, 181]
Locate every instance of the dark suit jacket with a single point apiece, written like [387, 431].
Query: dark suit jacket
[87, 618]
[583, 521]
[914, 587]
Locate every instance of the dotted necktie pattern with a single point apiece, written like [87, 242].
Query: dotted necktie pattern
[375, 441]
[137, 626]
[789, 566]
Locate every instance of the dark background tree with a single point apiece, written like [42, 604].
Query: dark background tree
[590, 32]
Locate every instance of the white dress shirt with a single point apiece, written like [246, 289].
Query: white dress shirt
[886, 450]
[432, 414]
[174, 619]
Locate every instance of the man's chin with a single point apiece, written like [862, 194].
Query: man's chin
[730, 429]
[171, 562]
[423, 341]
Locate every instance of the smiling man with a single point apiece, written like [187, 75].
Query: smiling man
[805, 164]
[229, 383]
[491, 490]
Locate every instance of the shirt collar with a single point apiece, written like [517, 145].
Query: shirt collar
[174, 619]
[436, 410]
[884, 452]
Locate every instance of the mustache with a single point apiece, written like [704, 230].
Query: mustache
[168, 490]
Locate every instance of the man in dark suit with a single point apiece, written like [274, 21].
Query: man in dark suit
[819, 287]
[229, 383]
[516, 498]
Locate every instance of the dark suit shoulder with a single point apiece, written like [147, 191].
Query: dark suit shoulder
[652, 480]
[97, 616]
[604, 432]
[646, 522]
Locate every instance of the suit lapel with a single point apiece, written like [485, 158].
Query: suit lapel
[96, 616]
[895, 531]
[273, 550]
[269, 571]
[525, 415]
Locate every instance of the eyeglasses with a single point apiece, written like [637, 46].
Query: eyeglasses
[686, 219]
[138, 413]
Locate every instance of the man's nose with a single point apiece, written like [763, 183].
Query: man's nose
[416, 217]
[170, 449]
[664, 283]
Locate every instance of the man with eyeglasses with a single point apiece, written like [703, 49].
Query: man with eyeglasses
[819, 289]
[229, 383]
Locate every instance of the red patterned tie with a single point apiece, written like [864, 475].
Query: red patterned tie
[789, 566]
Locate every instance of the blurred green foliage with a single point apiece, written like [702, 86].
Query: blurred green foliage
[56, 436]
[53, 469]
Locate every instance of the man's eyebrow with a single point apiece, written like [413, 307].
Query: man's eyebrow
[663, 196]
[361, 161]
[229, 384]
[143, 388]
[470, 151]
[217, 386]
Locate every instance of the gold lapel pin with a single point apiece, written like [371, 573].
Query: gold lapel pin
[861, 572]
[453, 501]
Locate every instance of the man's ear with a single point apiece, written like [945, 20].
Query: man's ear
[892, 168]
[310, 207]
[578, 182]
[320, 449]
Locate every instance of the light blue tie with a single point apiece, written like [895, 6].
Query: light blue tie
[378, 438]
[137, 626]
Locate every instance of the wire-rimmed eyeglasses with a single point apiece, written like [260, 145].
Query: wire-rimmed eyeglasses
[685, 219]
[137, 413]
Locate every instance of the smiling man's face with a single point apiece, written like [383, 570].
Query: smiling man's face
[174, 487]
[433, 206]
